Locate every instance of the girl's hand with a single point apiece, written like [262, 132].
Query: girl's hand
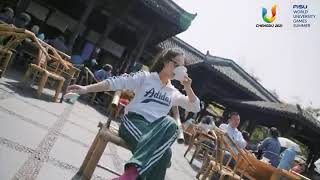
[77, 89]
[187, 82]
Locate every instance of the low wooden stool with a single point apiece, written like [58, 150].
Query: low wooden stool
[103, 137]
[5, 57]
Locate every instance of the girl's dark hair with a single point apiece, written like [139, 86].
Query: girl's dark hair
[164, 57]
[207, 119]
[274, 132]
[246, 135]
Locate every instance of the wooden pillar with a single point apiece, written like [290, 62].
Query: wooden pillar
[144, 42]
[81, 22]
[124, 65]
[121, 11]
[110, 26]
[137, 52]
[22, 6]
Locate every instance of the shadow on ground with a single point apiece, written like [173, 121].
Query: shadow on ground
[12, 80]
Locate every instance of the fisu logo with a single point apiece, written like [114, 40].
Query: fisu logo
[157, 97]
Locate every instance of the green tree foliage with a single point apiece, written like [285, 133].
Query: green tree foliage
[259, 134]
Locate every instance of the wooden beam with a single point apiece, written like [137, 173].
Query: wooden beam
[91, 4]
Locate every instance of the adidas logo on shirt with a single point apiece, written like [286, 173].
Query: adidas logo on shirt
[157, 97]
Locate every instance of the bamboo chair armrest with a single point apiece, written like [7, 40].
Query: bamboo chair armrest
[91, 74]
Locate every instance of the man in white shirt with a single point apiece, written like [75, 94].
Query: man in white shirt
[234, 134]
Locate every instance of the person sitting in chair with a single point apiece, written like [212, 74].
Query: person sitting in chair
[234, 134]
[232, 131]
[271, 147]
[207, 124]
[146, 127]
[103, 73]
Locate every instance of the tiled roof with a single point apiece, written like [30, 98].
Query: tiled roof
[171, 11]
[287, 110]
[225, 67]
[192, 55]
[240, 77]
[237, 78]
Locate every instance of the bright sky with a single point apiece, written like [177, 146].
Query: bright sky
[286, 59]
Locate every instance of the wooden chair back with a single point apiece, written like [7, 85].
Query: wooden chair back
[225, 144]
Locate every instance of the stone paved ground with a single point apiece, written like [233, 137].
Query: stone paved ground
[43, 140]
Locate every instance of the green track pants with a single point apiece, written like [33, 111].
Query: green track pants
[149, 143]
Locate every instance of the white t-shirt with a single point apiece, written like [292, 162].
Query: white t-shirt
[152, 100]
[235, 135]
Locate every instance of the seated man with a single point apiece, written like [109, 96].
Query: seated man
[103, 73]
[234, 134]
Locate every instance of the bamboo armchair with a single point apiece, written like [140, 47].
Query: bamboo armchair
[50, 63]
[197, 139]
[90, 79]
[189, 133]
[87, 77]
[10, 38]
[71, 74]
[264, 171]
[113, 108]
[246, 167]
[13, 36]
[258, 169]
[48, 67]
[41, 69]
[219, 165]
